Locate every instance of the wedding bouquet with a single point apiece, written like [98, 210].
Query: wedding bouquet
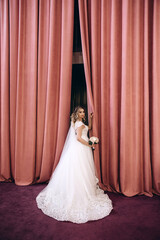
[93, 140]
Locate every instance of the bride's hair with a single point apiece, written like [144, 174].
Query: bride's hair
[74, 115]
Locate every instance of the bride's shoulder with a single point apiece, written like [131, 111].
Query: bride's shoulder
[79, 124]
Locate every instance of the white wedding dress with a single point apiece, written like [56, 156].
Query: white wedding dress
[72, 193]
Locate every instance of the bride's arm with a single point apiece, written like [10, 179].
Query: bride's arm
[90, 121]
[79, 134]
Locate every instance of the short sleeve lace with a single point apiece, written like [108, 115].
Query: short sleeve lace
[78, 124]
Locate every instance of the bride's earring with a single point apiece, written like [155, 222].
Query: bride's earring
[77, 116]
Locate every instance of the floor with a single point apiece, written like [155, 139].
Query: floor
[134, 218]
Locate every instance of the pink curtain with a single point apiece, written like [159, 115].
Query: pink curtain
[36, 64]
[123, 58]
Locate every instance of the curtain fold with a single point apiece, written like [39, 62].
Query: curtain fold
[124, 56]
[36, 58]
[155, 128]
[4, 92]
[86, 49]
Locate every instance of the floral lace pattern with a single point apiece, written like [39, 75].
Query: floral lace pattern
[98, 206]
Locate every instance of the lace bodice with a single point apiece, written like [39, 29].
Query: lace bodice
[84, 131]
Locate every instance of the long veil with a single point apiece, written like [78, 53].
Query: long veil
[71, 136]
[70, 139]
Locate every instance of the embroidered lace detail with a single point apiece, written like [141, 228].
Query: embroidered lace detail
[97, 207]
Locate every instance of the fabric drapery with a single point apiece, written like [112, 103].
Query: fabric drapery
[121, 51]
[124, 52]
[36, 65]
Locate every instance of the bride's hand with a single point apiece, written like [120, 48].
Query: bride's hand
[92, 146]
[91, 115]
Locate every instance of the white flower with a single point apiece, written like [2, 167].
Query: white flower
[94, 140]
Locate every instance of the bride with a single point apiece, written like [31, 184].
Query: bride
[72, 193]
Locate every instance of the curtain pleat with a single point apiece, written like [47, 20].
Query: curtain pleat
[65, 75]
[25, 122]
[86, 49]
[155, 127]
[4, 87]
[43, 78]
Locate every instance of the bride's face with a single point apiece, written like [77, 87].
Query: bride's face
[81, 113]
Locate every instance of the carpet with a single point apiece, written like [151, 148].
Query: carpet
[133, 218]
